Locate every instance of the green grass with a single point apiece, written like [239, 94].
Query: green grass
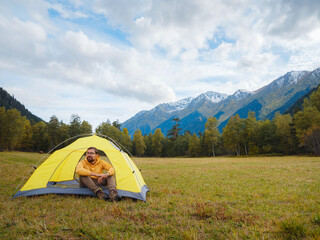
[189, 198]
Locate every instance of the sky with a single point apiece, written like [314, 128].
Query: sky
[108, 60]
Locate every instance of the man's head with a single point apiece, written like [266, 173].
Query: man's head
[91, 154]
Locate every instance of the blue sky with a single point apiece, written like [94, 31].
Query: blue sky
[111, 59]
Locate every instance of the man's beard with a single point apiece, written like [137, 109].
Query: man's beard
[90, 159]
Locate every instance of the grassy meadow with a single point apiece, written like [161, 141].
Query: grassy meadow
[189, 198]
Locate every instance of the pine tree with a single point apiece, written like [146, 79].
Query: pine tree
[174, 132]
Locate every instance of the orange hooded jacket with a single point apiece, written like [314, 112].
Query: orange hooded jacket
[84, 168]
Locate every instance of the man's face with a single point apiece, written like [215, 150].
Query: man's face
[91, 155]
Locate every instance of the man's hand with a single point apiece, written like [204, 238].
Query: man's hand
[102, 176]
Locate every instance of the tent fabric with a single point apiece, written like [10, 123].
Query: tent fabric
[57, 173]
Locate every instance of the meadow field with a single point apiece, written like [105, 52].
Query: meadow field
[189, 198]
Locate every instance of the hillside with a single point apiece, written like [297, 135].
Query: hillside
[9, 102]
[297, 106]
[278, 96]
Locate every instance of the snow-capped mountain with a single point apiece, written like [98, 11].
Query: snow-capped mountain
[179, 105]
[279, 95]
[214, 97]
[290, 78]
[240, 94]
[176, 106]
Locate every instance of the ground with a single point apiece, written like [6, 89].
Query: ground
[189, 198]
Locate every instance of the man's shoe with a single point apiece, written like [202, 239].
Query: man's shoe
[101, 195]
[117, 198]
[114, 196]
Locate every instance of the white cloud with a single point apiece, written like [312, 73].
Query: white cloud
[118, 72]
[167, 48]
[293, 19]
[67, 13]
[19, 37]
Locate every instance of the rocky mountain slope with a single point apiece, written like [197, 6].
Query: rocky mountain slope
[279, 95]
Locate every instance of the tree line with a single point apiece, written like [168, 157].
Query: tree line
[284, 134]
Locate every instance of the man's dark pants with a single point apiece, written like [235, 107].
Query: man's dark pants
[94, 185]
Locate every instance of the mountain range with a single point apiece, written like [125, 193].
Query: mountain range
[278, 96]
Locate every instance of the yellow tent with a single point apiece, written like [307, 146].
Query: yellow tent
[57, 173]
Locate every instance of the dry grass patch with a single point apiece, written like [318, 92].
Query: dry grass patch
[190, 198]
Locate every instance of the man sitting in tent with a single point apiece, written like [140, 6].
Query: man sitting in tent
[91, 175]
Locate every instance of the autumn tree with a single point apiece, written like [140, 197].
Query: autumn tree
[168, 148]
[74, 125]
[26, 140]
[157, 139]
[307, 121]
[148, 141]
[284, 131]
[40, 137]
[109, 130]
[194, 146]
[265, 137]
[85, 128]
[53, 131]
[315, 99]
[63, 133]
[126, 140]
[2, 126]
[311, 140]
[181, 144]
[250, 127]
[309, 116]
[211, 134]
[14, 128]
[138, 143]
[232, 134]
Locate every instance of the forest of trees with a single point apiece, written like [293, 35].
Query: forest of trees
[284, 134]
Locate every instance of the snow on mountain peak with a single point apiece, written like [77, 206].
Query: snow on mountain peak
[177, 106]
[240, 93]
[212, 96]
[290, 78]
[296, 75]
[182, 104]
